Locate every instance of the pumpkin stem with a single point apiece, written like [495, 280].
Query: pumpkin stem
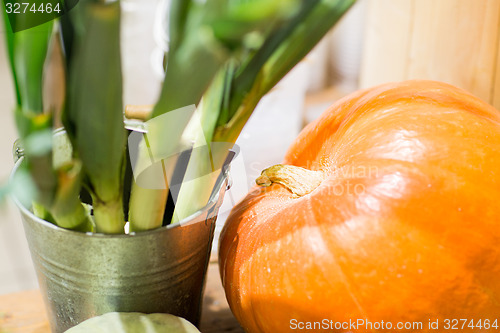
[297, 180]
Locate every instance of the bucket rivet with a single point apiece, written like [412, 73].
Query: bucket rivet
[17, 150]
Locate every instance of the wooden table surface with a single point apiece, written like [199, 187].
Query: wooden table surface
[24, 312]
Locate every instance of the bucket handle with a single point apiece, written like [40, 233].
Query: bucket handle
[17, 150]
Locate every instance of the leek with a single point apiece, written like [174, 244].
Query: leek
[234, 99]
[57, 189]
[94, 111]
[223, 57]
[204, 36]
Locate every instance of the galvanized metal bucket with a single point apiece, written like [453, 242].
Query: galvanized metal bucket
[82, 275]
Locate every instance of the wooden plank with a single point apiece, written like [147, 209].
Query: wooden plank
[24, 312]
[495, 98]
[217, 317]
[386, 45]
[455, 41]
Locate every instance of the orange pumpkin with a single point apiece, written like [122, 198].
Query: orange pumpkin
[387, 209]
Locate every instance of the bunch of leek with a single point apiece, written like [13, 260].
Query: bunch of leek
[224, 56]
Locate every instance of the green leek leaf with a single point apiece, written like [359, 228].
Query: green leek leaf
[94, 108]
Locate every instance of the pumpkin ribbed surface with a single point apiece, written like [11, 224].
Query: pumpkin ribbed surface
[404, 226]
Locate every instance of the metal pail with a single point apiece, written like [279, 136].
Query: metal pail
[82, 275]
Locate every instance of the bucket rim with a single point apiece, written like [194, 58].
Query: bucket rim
[219, 190]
